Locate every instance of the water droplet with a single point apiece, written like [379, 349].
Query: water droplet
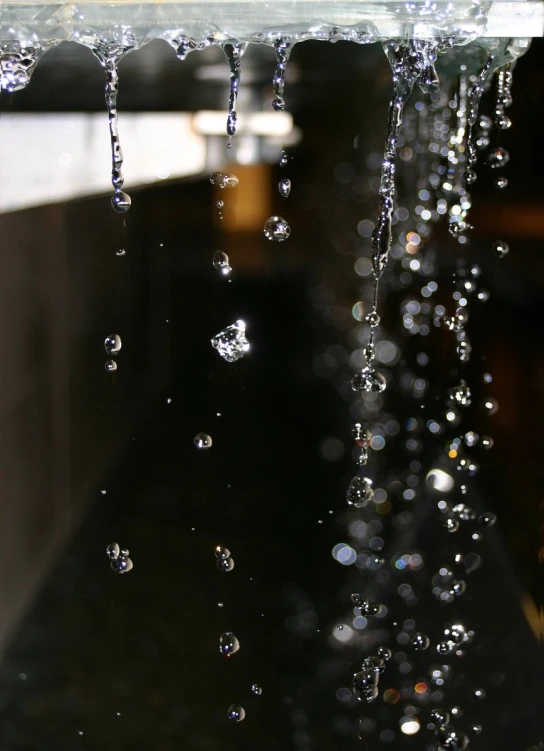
[480, 693]
[277, 229]
[444, 647]
[451, 525]
[456, 633]
[487, 442]
[501, 182]
[420, 642]
[461, 394]
[121, 564]
[284, 161]
[112, 344]
[203, 441]
[236, 713]
[488, 378]
[365, 685]
[503, 122]
[231, 343]
[373, 319]
[120, 252]
[476, 729]
[500, 249]
[490, 406]
[458, 587]
[221, 262]
[225, 564]
[499, 157]
[488, 519]
[113, 550]
[256, 689]
[385, 653]
[284, 187]
[470, 177]
[360, 492]
[483, 295]
[440, 716]
[471, 438]
[451, 740]
[368, 380]
[121, 202]
[228, 644]
[110, 366]
[224, 180]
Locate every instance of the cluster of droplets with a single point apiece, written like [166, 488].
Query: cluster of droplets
[224, 560]
[366, 680]
[120, 561]
[112, 347]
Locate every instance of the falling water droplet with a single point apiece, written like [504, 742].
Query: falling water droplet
[476, 729]
[120, 252]
[284, 187]
[224, 180]
[373, 319]
[470, 177]
[501, 182]
[487, 442]
[420, 642]
[221, 262]
[458, 587]
[256, 689]
[225, 564]
[113, 550]
[365, 685]
[236, 713]
[231, 343]
[228, 644]
[497, 158]
[276, 228]
[385, 653]
[221, 552]
[451, 525]
[440, 717]
[112, 344]
[490, 406]
[368, 380]
[121, 202]
[203, 441]
[284, 161]
[503, 122]
[360, 492]
[500, 249]
[488, 519]
[444, 647]
[110, 366]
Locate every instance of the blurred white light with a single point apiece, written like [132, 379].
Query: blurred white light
[344, 554]
[343, 634]
[409, 725]
[213, 123]
[440, 480]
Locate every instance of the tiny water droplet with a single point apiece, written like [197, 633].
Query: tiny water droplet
[236, 713]
[487, 442]
[488, 519]
[368, 380]
[503, 122]
[420, 642]
[500, 249]
[480, 693]
[256, 689]
[231, 343]
[483, 295]
[476, 729]
[228, 644]
[360, 492]
[470, 177]
[110, 366]
[440, 717]
[497, 158]
[385, 653]
[219, 604]
[444, 647]
[224, 180]
[221, 552]
[221, 262]
[284, 161]
[373, 319]
[501, 182]
[203, 441]
[458, 587]
[451, 525]
[490, 406]
[284, 187]
[121, 202]
[277, 229]
[120, 252]
[112, 344]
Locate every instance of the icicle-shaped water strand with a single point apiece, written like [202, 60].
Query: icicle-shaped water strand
[233, 53]
[283, 50]
[109, 57]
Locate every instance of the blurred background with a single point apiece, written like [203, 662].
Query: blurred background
[92, 659]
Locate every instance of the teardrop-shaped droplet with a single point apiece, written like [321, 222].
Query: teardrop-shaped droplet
[284, 187]
[228, 644]
[121, 202]
[277, 229]
[221, 262]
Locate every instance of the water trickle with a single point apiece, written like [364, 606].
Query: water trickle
[228, 644]
[277, 229]
[203, 441]
[284, 187]
[236, 713]
[223, 180]
[231, 343]
[110, 366]
[233, 53]
[112, 344]
[283, 50]
[360, 492]
[500, 249]
[221, 262]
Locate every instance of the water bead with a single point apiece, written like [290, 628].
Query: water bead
[284, 187]
[224, 180]
[497, 158]
[452, 740]
[220, 204]
[368, 380]
[373, 319]
[483, 295]
[284, 159]
[276, 229]
[476, 729]
[112, 344]
[364, 684]
[420, 642]
[110, 366]
[231, 343]
[470, 177]
[236, 713]
[385, 653]
[480, 693]
[501, 182]
[444, 647]
[485, 122]
[221, 262]
[121, 202]
[500, 249]
[451, 525]
[503, 122]
[121, 565]
[221, 553]
[203, 441]
[490, 406]
[440, 717]
[278, 104]
[225, 564]
[487, 442]
[462, 512]
[256, 689]
[360, 492]
[458, 587]
[488, 519]
[113, 550]
[228, 644]
[120, 252]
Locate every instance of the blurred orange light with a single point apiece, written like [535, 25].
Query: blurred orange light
[421, 688]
